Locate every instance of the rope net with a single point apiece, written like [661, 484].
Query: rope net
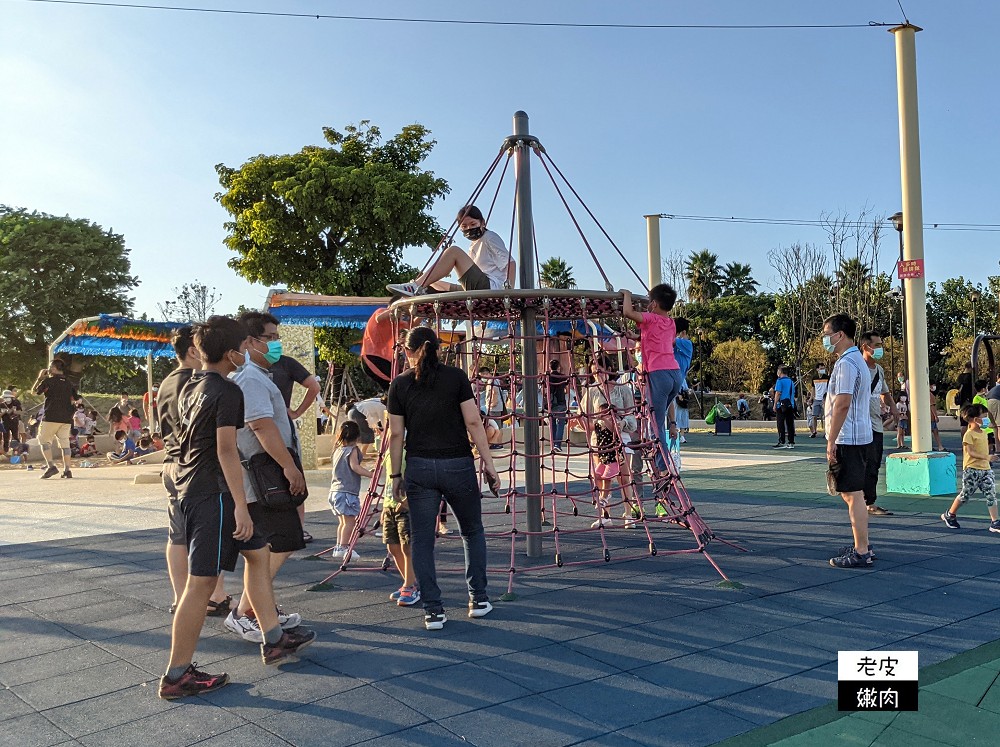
[604, 478]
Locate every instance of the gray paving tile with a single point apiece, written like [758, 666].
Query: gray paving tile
[704, 676]
[12, 706]
[769, 703]
[702, 725]
[343, 719]
[192, 723]
[620, 700]
[629, 648]
[43, 666]
[426, 735]
[774, 654]
[76, 685]
[93, 714]
[386, 663]
[245, 736]
[448, 691]
[614, 739]
[34, 730]
[548, 668]
[530, 720]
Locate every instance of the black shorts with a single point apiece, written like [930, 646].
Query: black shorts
[378, 370]
[851, 466]
[367, 434]
[475, 279]
[209, 523]
[175, 519]
[281, 528]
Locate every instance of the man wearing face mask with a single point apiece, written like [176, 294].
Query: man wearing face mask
[487, 266]
[820, 384]
[266, 429]
[10, 417]
[849, 434]
[872, 350]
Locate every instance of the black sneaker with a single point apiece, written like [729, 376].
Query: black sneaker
[192, 682]
[290, 643]
[950, 520]
[480, 609]
[852, 560]
[435, 620]
[849, 548]
[67, 474]
[779, 445]
[50, 472]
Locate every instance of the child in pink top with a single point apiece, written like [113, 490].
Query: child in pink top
[657, 333]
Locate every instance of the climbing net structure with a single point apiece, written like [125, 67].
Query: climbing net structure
[609, 421]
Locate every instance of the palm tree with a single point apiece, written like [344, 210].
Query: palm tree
[555, 273]
[704, 276]
[737, 280]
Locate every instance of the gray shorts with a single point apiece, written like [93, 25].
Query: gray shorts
[345, 504]
[818, 410]
[175, 518]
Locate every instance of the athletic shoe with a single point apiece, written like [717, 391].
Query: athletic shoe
[406, 289]
[995, 526]
[812, 435]
[950, 520]
[480, 609]
[849, 548]
[852, 560]
[340, 553]
[408, 595]
[67, 474]
[192, 682]
[443, 530]
[290, 643]
[290, 621]
[779, 445]
[435, 620]
[683, 440]
[598, 523]
[789, 446]
[50, 472]
[875, 510]
[394, 597]
[496, 447]
[245, 627]
[557, 449]
[661, 510]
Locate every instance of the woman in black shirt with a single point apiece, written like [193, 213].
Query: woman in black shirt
[434, 406]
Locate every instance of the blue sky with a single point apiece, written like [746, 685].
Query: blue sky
[120, 115]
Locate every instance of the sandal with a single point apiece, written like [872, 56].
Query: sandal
[219, 609]
[173, 608]
[306, 537]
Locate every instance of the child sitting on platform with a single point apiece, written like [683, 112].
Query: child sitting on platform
[126, 449]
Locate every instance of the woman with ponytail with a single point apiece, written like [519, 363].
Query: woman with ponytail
[433, 405]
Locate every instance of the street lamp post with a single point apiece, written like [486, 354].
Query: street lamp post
[897, 223]
[974, 298]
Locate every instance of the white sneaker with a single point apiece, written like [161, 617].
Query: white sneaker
[480, 609]
[288, 621]
[405, 289]
[598, 523]
[336, 552]
[244, 627]
[444, 530]
[683, 440]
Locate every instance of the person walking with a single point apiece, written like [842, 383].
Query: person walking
[820, 384]
[784, 407]
[872, 350]
[433, 405]
[57, 416]
[849, 434]
[10, 417]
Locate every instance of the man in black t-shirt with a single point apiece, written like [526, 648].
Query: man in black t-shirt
[57, 418]
[188, 361]
[217, 524]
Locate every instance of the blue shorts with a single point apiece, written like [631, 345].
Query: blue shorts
[903, 424]
[345, 504]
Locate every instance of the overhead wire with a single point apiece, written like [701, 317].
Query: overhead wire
[458, 21]
[983, 227]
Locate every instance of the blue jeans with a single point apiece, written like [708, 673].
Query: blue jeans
[427, 482]
[558, 428]
[664, 385]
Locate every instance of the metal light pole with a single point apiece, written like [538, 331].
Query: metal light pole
[974, 297]
[897, 223]
[653, 249]
[522, 143]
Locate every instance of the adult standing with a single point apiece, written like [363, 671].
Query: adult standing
[286, 372]
[966, 390]
[369, 414]
[784, 407]
[57, 417]
[872, 350]
[433, 405]
[820, 384]
[993, 403]
[558, 383]
[149, 405]
[849, 433]
[10, 417]
[169, 425]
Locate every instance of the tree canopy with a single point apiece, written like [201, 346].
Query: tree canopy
[333, 219]
[556, 273]
[53, 271]
[704, 277]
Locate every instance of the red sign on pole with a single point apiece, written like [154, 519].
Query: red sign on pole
[910, 269]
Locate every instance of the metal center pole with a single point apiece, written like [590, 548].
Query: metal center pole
[522, 143]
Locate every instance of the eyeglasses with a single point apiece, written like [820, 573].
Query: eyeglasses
[268, 338]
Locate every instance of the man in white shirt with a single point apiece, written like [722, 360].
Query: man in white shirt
[849, 433]
[487, 266]
[872, 351]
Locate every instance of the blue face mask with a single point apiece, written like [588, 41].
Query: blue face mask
[274, 351]
[827, 345]
[986, 422]
[877, 353]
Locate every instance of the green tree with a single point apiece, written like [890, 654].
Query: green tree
[704, 276]
[52, 272]
[194, 302]
[333, 219]
[737, 280]
[949, 316]
[555, 273]
[739, 365]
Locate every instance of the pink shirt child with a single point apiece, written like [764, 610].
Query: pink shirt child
[658, 334]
